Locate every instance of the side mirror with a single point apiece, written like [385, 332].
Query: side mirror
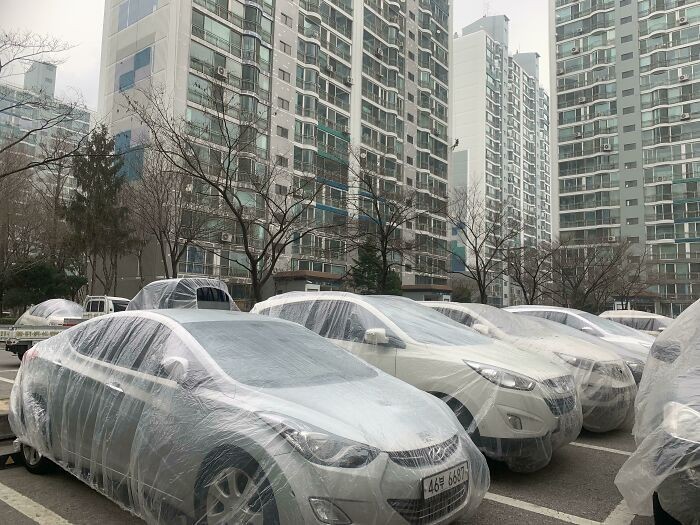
[175, 368]
[481, 328]
[376, 336]
[661, 329]
[586, 329]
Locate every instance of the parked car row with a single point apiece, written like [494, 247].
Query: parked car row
[318, 407]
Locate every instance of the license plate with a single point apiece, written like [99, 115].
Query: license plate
[444, 481]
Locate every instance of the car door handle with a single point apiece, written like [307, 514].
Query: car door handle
[115, 387]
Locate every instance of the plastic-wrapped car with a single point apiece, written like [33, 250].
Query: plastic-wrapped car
[517, 407]
[187, 292]
[52, 312]
[663, 474]
[606, 386]
[647, 322]
[237, 418]
[631, 345]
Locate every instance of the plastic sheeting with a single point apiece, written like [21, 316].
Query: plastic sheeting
[667, 426]
[50, 311]
[189, 292]
[236, 418]
[517, 407]
[650, 323]
[605, 384]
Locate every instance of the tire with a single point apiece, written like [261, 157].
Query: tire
[661, 517]
[35, 462]
[463, 416]
[223, 493]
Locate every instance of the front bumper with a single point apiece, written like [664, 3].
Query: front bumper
[606, 408]
[384, 491]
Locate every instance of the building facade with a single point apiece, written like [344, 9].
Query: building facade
[627, 80]
[500, 116]
[337, 81]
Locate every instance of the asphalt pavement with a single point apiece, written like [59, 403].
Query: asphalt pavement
[577, 487]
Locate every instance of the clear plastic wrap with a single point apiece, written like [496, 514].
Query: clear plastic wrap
[188, 292]
[667, 426]
[516, 406]
[649, 323]
[52, 311]
[605, 384]
[217, 417]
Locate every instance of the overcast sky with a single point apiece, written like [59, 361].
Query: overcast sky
[80, 23]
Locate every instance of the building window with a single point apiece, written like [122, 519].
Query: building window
[283, 75]
[133, 69]
[631, 202]
[629, 128]
[632, 220]
[628, 110]
[633, 240]
[282, 161]
[625, 20]
[623, 3]
[409, 160]
[286, 48]
[627, 92]
[411, 98]
[411, 56]
[410, 117]
[625, 39]
[630, 165]
[627, 74]
[411, 15]
[411, 77]
[132, 11]
[412, 35]
[286, 20]
[631, 146]
[626, 56]
[282, 132]
[630, 184]
[283, 103]
[409, 138]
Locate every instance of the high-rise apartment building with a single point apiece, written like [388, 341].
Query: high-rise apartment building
[500, 116]
[627, 80]
[338, 82]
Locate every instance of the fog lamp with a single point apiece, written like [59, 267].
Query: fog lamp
[327, 512]
[515, 422]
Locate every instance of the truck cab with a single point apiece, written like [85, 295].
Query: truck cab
[96, 305]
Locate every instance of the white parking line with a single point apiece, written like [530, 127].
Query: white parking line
[603, 449]
[5, 380]
[544, 511]
[30, 508]
[621, 515]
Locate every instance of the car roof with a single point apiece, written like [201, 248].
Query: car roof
[630, 313]
[330, 296]
[190, 315]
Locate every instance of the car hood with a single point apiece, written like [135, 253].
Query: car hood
[629, 347]
[567, 345]
[503, 355]
[382, 412]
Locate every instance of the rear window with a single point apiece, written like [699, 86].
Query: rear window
[120, 306]
[212, 298]
[276, 355]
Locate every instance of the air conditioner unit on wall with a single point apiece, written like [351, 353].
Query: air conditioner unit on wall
[685, 116]
[575, 50]
[226, 237]
[683, 78]
[348, 81]
[221, 71]
[607, 147]
[581, 100]
[612, 238]
[682, 21]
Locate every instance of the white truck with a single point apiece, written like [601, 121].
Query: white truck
[47, 319]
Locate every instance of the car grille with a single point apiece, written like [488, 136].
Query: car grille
[562, 405]
[421, 511]
[421, 457]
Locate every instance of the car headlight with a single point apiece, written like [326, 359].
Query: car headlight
[319, 446]
[502, 377]
[682, 422]
[636, 366]
[576, 362]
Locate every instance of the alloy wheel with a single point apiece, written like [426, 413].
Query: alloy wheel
[233, 498]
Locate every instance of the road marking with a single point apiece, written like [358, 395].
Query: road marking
[4, 379]
[621, 515]
[30, 508]
[544, 511]
[603, 449]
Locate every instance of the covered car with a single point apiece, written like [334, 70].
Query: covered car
[201, 416]
[631, 345]
[663, 474]
[187, 292]
[606, 386]
[53, 312]
[517, 407]
[647, 322]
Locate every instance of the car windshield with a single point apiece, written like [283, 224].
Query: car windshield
[643, 323]
[611, 327]
[510, 323]
[268, 354]
[58, 308]
[120, 306]
[423, 324]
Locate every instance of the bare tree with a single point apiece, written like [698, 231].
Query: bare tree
[585, 274]
[485, 232]
[17, 51]
[633, 278]
[530, 268]
[172, 208]
[265, 206]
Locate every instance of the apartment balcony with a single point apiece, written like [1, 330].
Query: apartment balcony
[658, 198]
[658, 217]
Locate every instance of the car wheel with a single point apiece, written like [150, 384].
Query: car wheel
[661, 517]
[34, 462]
[233, 489]
[463, 416]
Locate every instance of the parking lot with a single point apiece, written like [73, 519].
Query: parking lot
[577, 487]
